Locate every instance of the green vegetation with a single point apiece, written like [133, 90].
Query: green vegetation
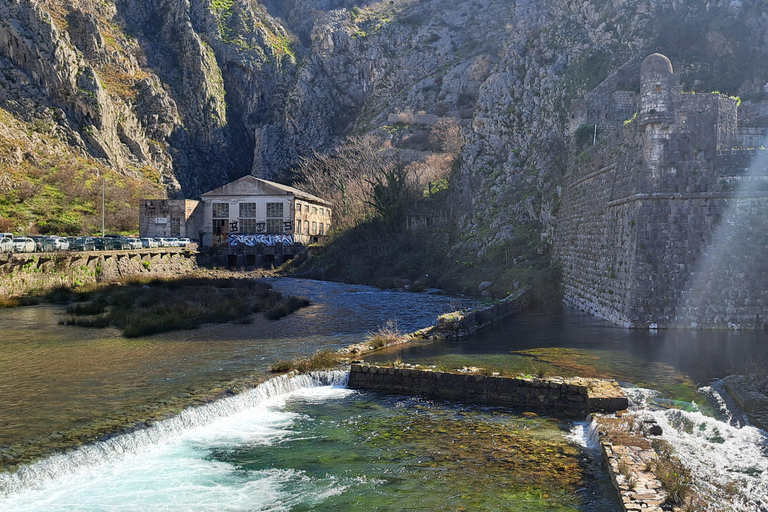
[321, 360]
[56, 190]
[675, 478]
[387, 334]
[143, 306]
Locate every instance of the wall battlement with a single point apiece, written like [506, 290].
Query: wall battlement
[662, 220]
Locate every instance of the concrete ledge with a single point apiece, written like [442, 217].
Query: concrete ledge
[574, 396]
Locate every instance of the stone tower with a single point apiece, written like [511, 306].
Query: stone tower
[658, 88]
[658, 85]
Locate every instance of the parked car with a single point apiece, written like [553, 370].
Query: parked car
[173, 242]
[184, 241]
[6, 244]
[83, 243]
[105, 244]
[23, 244]
[42, 243]
[162, 241]
[59, 243]
[135, 243]
[148, 243]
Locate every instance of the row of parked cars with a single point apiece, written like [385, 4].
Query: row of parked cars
[36, 243]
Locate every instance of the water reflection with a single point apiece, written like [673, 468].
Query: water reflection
[63, 385]
[566, 341]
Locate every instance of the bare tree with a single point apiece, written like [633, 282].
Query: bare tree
[344, 176]
[447, 136]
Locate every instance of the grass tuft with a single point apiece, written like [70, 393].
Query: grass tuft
[387, 334]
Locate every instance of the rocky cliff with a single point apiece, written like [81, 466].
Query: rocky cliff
[184, 95]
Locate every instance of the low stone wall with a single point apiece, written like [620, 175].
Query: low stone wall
[751, 400]
[23, 274]
[461, 324]
[628, 454]
[574, 396]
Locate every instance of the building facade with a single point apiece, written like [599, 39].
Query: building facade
[252, 210]
[180, 218]
[248, 211]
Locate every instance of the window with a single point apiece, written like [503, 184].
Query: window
[298, 207]
[248, 226]
[327, 228]
[274, 210]
[322, 230]
[314, 228]
[275, 225]
[298, 227]
[247, 210]
[220, 210]
[220, 226]
[306, 227]
[314, 210]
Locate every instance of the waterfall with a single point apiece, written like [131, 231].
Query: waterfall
[36, 474]
[722, 454]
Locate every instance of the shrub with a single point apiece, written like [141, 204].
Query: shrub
[281, 366]
[674, 477]
[388, 334]
[9, 302]
[60, 295]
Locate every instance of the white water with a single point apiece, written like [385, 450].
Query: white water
[167, 466]
[728, 463]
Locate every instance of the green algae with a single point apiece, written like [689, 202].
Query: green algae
[568, 362]
[398, 454]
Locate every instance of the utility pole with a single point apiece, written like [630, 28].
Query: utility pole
[103, 197]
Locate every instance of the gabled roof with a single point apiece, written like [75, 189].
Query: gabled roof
[253, 186]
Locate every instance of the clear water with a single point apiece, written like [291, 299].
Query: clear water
[312, 444]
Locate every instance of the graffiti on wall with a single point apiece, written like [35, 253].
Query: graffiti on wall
[251, 240]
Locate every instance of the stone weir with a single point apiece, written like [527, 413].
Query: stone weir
[573, 397]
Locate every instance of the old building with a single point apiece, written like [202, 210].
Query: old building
[252, 210]
[246, 212]
[170, 218]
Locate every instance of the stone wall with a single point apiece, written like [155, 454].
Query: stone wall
[661, 221]
[23, 274]
[460, 324]
[574, 396]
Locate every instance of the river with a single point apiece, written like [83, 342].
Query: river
[311, 443]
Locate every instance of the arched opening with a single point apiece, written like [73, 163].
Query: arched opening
[269, 261]
[231, 261]
[250, 260]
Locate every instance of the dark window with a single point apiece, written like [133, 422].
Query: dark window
[274, 210]
[220, 210]
[275, 225]
[247, 210]
[220, 226]
[248, 226]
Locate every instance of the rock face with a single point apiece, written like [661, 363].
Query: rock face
[200, 92]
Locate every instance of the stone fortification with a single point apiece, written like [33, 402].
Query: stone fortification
[574, 396]
[661, 219]
[23, 274]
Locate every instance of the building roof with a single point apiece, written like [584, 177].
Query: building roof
[253, 186]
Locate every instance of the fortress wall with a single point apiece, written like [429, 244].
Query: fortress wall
[673, 233]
